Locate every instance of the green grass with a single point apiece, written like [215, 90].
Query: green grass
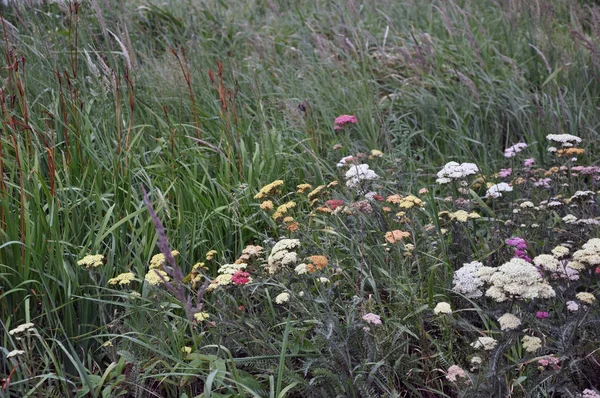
[101, 100]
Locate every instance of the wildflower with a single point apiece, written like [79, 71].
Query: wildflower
[158, 260]
[569, 219]
[232, 268]
[241, 278]
[476, 362]
[505, 172]
[269, 189]
[513, 150]
[560, 251]
[283, 255]
[21, 329]
[466, 281]
[282, 209]
[566, 140]
[315, 192]
[542, 315]
[495, 191]
[343, 161]
[91, 261]
[375, 153]
[334, 203]
[201, 316]
[586, 297]
[222, 280]
[453, 372]
[14, 353]
[332, 184]
[442, 308]
[454, 171]
[322, 279]
[372, 318]
[282, 298]
[186, 350]
[487, 343]
[517, 243]
[529, 162]
[301, 269]
[572, 306]
[266, 205]
[288, 219]
[423, 191]
[318, 261]
[546, 262]
[323, 209]
[107, 343]
[531, 343]
[570, 151]
[293, 227]
[363, 206]
[588, 255]
[122, 279]
[343, 120]
[358, 173]
[526, 204]
[515, 279]
[410, 201]
[509, 322]
[587, 393]
[460, 215]
[153, 276]
[303, 187]
[396, 236]
[337, 146]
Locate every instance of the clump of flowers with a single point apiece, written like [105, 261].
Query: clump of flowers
[515, 279]
[487, 343]
[396, 236]
[91, 261]
[303, 188]
[356, 174]
[269, 189]
[372, 318]
[316, 263]
[588, 256]
[341, 121]
[586, 297]
[455, 372]
[201, 316]
[21, 329]
[513, 150]
[509, 321]
[549, 361]
[282, 298]
[122, 279]
[453, 171]
[442, 308]
[158, 260]
[495, 191]
[283, 209]
[459, 215]
[566, 140]
[531, 343]
[466, 281]
[283, 255]
[156, 276]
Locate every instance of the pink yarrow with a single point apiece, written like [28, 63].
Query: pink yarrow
[342, 120]
[240, 278]
[372, 318]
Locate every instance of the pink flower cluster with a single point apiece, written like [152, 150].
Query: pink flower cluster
[240, 278]
[455, 372]
[520, 246]
[505, 172]
[343, 120]
[549, 362]
[372, 318]
[513, 150]
[542, 315]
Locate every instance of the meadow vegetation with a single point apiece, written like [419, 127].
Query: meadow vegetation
[273, 198]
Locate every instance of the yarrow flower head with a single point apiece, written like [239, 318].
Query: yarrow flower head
[566, 140]
[531, 343]
[153, 277]
[495, 191]
[587, 393]
[455, 372]
[509, 322]
[542, 314]
[466, 281]
[122, 279]
[453, 171]
[359, 173]
[282, 298]
[21, 329]
[517, 243]
[586, 297]
[91, 261]
[201, 316]
[343, 120]
[396, 236]
[372, 318]
[241, 278]
[442, 308]
[269, 189]
[283, 255]
[513, 150]
[487, 343]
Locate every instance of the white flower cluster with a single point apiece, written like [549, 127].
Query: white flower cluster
[566, 140]
[232, 268]
[442, 308]
[487, 343]
[495, 191]
[509, 322]
[513, 150]
[466, 281]
[515, 279]
[588, 256]
[454, 171]
[558, 268]
[531, 343]
[283, 255]
[358, 173]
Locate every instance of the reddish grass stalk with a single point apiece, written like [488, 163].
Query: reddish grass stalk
[65, 117]
[185, 69]
[22, 199]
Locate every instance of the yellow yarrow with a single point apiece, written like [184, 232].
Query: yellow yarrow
[268, 189]
[201, 316]
[211, 254]
[303, 188]
[312, 195]
[281, 210]
[122, 279]
[92, 261]
[158, 260]
[153, 277]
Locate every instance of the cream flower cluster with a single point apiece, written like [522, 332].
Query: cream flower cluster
[515, 279]
[588, 256]
[358, 173]
[283, 255]
[566, 140]
[509, 322]
[454, 171]
[495, 191]
[487, 343]
[466, 281]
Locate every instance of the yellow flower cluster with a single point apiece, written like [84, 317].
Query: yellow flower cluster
[316, 262]
[405, 202]
[153, 277]
[268, 189]
[122, 279]
[266, 205]
[281, 210]
[91, 261]
[158, 260]
[315, 192]
[303, 188]
[201, 316]
[210, 255]
[460, 215]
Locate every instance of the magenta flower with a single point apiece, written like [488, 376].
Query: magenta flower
[241, 278]
[542, 315]
[517, 243]
[529, 162]
[372, 318]
[343, 120]
[505, 172]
